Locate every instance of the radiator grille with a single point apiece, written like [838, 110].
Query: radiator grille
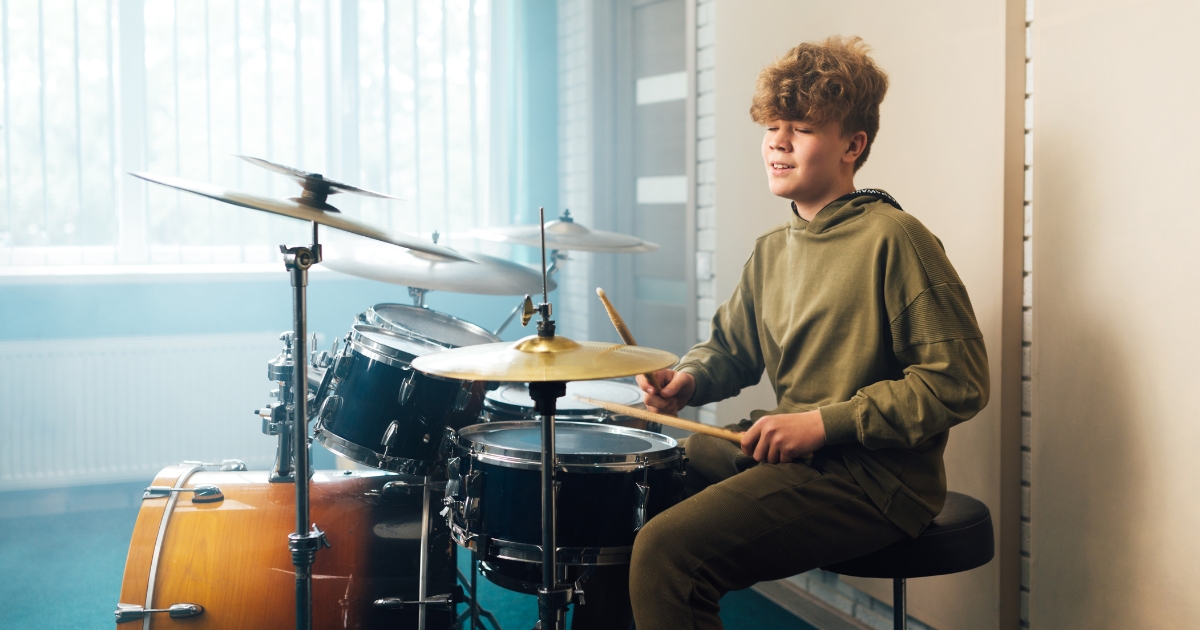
[92, 411]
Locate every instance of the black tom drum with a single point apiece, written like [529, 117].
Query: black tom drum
[416, 321]
[511, 402]
[612, 480]
[376, 410]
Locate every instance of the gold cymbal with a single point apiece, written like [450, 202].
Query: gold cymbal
[541, 359]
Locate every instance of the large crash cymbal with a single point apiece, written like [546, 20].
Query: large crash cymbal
[481, 274]
[540, 359]
[306, 212]
[564, 233]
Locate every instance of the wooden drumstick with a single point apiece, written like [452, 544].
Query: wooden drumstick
[671, 421]
[623, 331]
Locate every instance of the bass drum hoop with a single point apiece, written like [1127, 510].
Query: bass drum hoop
[669, 455]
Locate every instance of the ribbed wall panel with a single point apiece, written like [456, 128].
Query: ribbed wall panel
[87, 411]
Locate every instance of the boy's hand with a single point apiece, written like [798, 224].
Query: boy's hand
[785, 437]
[677, 390]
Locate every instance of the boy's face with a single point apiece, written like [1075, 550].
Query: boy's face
[806, 162]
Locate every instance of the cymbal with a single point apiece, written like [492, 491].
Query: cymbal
[565, 233]
[538, 359]
[480, 274]
[297, 210]
[308, 180]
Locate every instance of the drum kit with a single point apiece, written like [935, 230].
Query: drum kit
[539, 487]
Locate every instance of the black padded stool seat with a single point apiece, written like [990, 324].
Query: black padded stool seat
[958, 539]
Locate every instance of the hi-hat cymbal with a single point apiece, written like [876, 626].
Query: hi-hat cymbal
[484, 275]
[297, 210]
[565, 233]
[538, 359]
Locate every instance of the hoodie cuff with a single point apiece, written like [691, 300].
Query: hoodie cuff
[841, 424]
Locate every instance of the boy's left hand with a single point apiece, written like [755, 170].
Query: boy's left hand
[784, 438]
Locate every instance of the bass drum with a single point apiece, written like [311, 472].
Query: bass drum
[226, 551]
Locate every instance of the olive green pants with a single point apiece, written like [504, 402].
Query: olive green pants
[740, 523]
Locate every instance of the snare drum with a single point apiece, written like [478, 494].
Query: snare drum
[445, 330]
[376, 410]
[612, 480]
[511, 402]
[226, 551]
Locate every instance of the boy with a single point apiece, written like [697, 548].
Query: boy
[868, 337]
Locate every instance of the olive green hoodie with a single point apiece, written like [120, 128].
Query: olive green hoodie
[858, 313]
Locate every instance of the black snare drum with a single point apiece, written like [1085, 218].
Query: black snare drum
[445, 330]
[613, 479]
[511, 402]
[376, 410]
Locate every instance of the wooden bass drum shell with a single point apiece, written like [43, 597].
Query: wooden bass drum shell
[232, 558]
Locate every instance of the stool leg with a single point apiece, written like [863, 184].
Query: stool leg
[899, 605]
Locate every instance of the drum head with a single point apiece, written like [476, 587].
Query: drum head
[519, 444]
[514, 397]
[445, 330]
[389, 346]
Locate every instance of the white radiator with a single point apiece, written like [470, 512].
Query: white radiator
[87, 411]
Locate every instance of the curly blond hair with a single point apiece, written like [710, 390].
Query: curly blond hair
[819, 82]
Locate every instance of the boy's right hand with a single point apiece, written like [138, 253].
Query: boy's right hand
[677, 390]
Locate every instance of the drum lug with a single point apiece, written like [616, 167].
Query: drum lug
[406, 389]
[132, 612]
[454, 479]
[471, 503]
[329, 406]
[389, 437]
[449, 442]
[201, 494]
[341, 366]
[639, 515]
[580, 582]
[463, 399]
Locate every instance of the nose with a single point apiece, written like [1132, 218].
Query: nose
[778, 140]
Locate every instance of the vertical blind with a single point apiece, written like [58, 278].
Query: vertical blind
[391, 95]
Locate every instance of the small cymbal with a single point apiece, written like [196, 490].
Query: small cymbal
[481, 274]
[565, 233]
[538, 359]
[297, 210]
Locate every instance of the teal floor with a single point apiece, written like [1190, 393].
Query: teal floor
[64, 572]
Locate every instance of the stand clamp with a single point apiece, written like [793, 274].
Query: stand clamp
[305, 547]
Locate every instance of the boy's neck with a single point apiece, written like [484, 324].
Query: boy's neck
[809, 207]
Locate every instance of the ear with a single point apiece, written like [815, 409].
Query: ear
[857, 143]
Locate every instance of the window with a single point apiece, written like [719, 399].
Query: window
[391, 95]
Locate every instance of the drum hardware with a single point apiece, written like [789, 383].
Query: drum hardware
[132, 612]
[226, 465]
[546, 362]
[441, 601]
[200, 494]
[310, 206]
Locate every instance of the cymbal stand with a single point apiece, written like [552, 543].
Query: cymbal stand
[304, 543]
[553, 596]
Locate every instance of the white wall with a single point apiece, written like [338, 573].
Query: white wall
[1115, 369]
[940, 152]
